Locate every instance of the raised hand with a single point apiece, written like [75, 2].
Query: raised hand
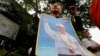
[72, 51]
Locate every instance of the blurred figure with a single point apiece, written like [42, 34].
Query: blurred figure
[55, 8]
[89, 43]
[76, 19]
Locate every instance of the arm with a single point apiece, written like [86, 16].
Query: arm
[48, 30]
[92, 48]
[95, 48]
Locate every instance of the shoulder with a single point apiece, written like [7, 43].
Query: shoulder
[84, 39]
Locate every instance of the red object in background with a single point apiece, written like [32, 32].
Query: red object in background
[95, 12]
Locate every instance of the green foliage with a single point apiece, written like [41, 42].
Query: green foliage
[2, 52]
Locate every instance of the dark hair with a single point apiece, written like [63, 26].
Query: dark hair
[56, 1]
[52, 2]
[85, 30]
[72, 7]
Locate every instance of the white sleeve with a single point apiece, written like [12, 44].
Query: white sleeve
[71, 39]
[86, 42]
[49, 31]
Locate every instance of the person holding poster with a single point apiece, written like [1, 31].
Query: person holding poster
[55, 9]
[75, 18]
[56, 35]
[89, 43]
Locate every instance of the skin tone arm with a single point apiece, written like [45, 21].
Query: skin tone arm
[95, 48]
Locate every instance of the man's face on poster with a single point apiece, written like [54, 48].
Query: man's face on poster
[61, 29]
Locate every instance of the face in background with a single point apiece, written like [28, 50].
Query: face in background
[56, 8]
[73, 9]
[85, 33]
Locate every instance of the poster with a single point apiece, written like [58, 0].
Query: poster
[56, 37]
